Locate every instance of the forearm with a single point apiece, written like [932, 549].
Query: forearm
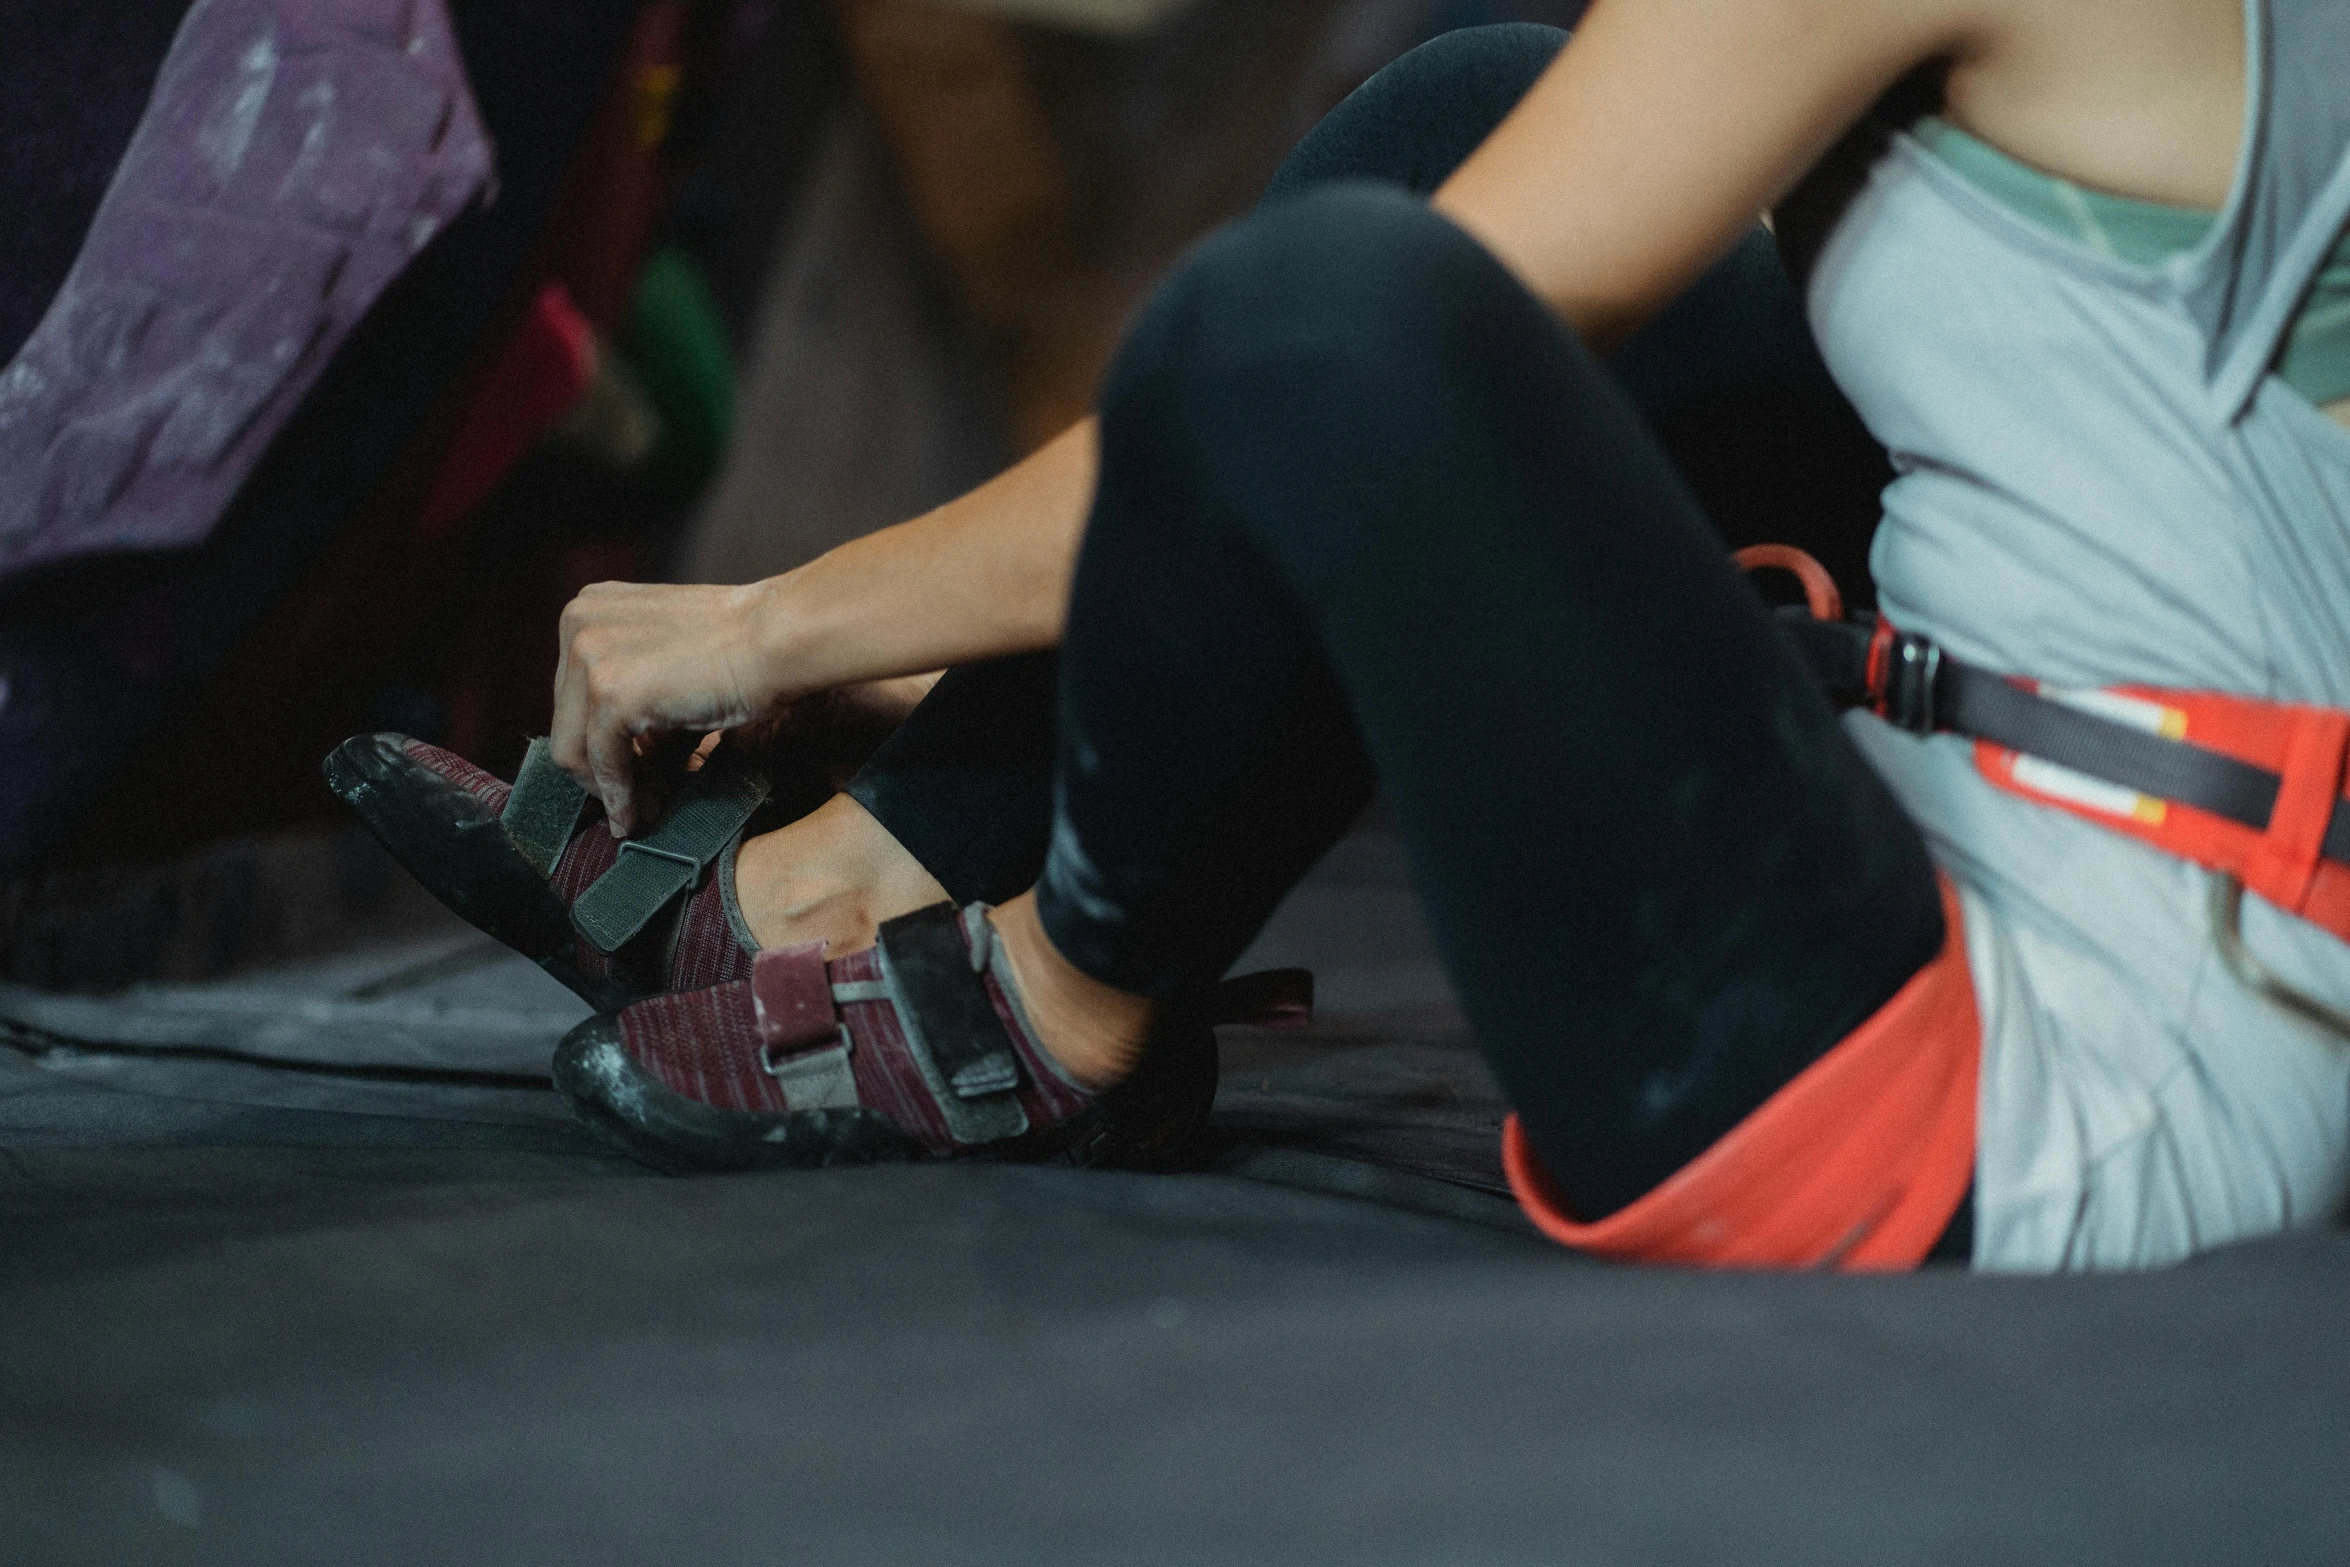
[985, 575]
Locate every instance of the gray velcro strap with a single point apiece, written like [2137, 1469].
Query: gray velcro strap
[957, 1040]
[543, 811]
[816, 1079]
[654, 869]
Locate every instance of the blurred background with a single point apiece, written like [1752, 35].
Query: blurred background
[749, 278]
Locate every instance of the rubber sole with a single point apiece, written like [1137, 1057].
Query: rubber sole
[1152, 1121]
[655, 1125]
[456, 848]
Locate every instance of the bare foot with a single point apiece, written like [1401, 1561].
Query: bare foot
[832, 876]
[1093, 1030]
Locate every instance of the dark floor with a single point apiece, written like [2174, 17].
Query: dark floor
[307, 1266]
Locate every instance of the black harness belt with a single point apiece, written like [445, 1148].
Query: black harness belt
[1911, 683]
[2257, 785]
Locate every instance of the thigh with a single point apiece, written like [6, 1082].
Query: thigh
[1726, 376]
[1739, 328]
[1663, 879]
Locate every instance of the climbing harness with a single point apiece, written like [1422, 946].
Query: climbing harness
[2249, 789]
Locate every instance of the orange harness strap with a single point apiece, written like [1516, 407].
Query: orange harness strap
[2304, 746]
[1858, 1163]
[2253, 789]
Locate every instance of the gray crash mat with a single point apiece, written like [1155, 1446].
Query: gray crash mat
[306, 1263]
[418, 1016]
[986, 1364]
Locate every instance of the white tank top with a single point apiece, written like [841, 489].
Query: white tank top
[2098, 482]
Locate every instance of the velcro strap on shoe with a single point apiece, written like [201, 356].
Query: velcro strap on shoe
[816, 1079]
[791, 999]
[957, 1040]
[652, 870]
[543, 810]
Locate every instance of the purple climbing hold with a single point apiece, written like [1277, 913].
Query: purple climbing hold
[295, 156]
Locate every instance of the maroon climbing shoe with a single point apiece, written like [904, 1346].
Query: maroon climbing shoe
[533, 865]
[916, 1048]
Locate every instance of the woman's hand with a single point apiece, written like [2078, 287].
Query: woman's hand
[980, 577]
[644, 660]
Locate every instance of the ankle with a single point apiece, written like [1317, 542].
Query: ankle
[1092, 1030]
[832, 876]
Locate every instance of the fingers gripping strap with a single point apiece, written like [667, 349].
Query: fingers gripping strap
[956, 1038]
[652, 870]
[543, 811]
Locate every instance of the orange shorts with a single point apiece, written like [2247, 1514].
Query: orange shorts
[1858, 1163]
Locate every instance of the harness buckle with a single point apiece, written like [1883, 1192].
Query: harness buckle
[1904, 671]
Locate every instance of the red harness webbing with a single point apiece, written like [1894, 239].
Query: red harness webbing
[2282, 860]
[2250, 788]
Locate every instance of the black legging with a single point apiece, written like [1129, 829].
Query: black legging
[1368, 514]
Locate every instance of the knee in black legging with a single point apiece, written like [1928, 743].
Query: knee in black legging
[1303, 367]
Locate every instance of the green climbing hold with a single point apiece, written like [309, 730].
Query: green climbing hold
[676, 345]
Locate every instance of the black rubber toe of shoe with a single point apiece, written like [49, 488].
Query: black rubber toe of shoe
[453, 844]
[627, 1105]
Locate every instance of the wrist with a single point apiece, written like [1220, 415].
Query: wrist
[776, 635]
